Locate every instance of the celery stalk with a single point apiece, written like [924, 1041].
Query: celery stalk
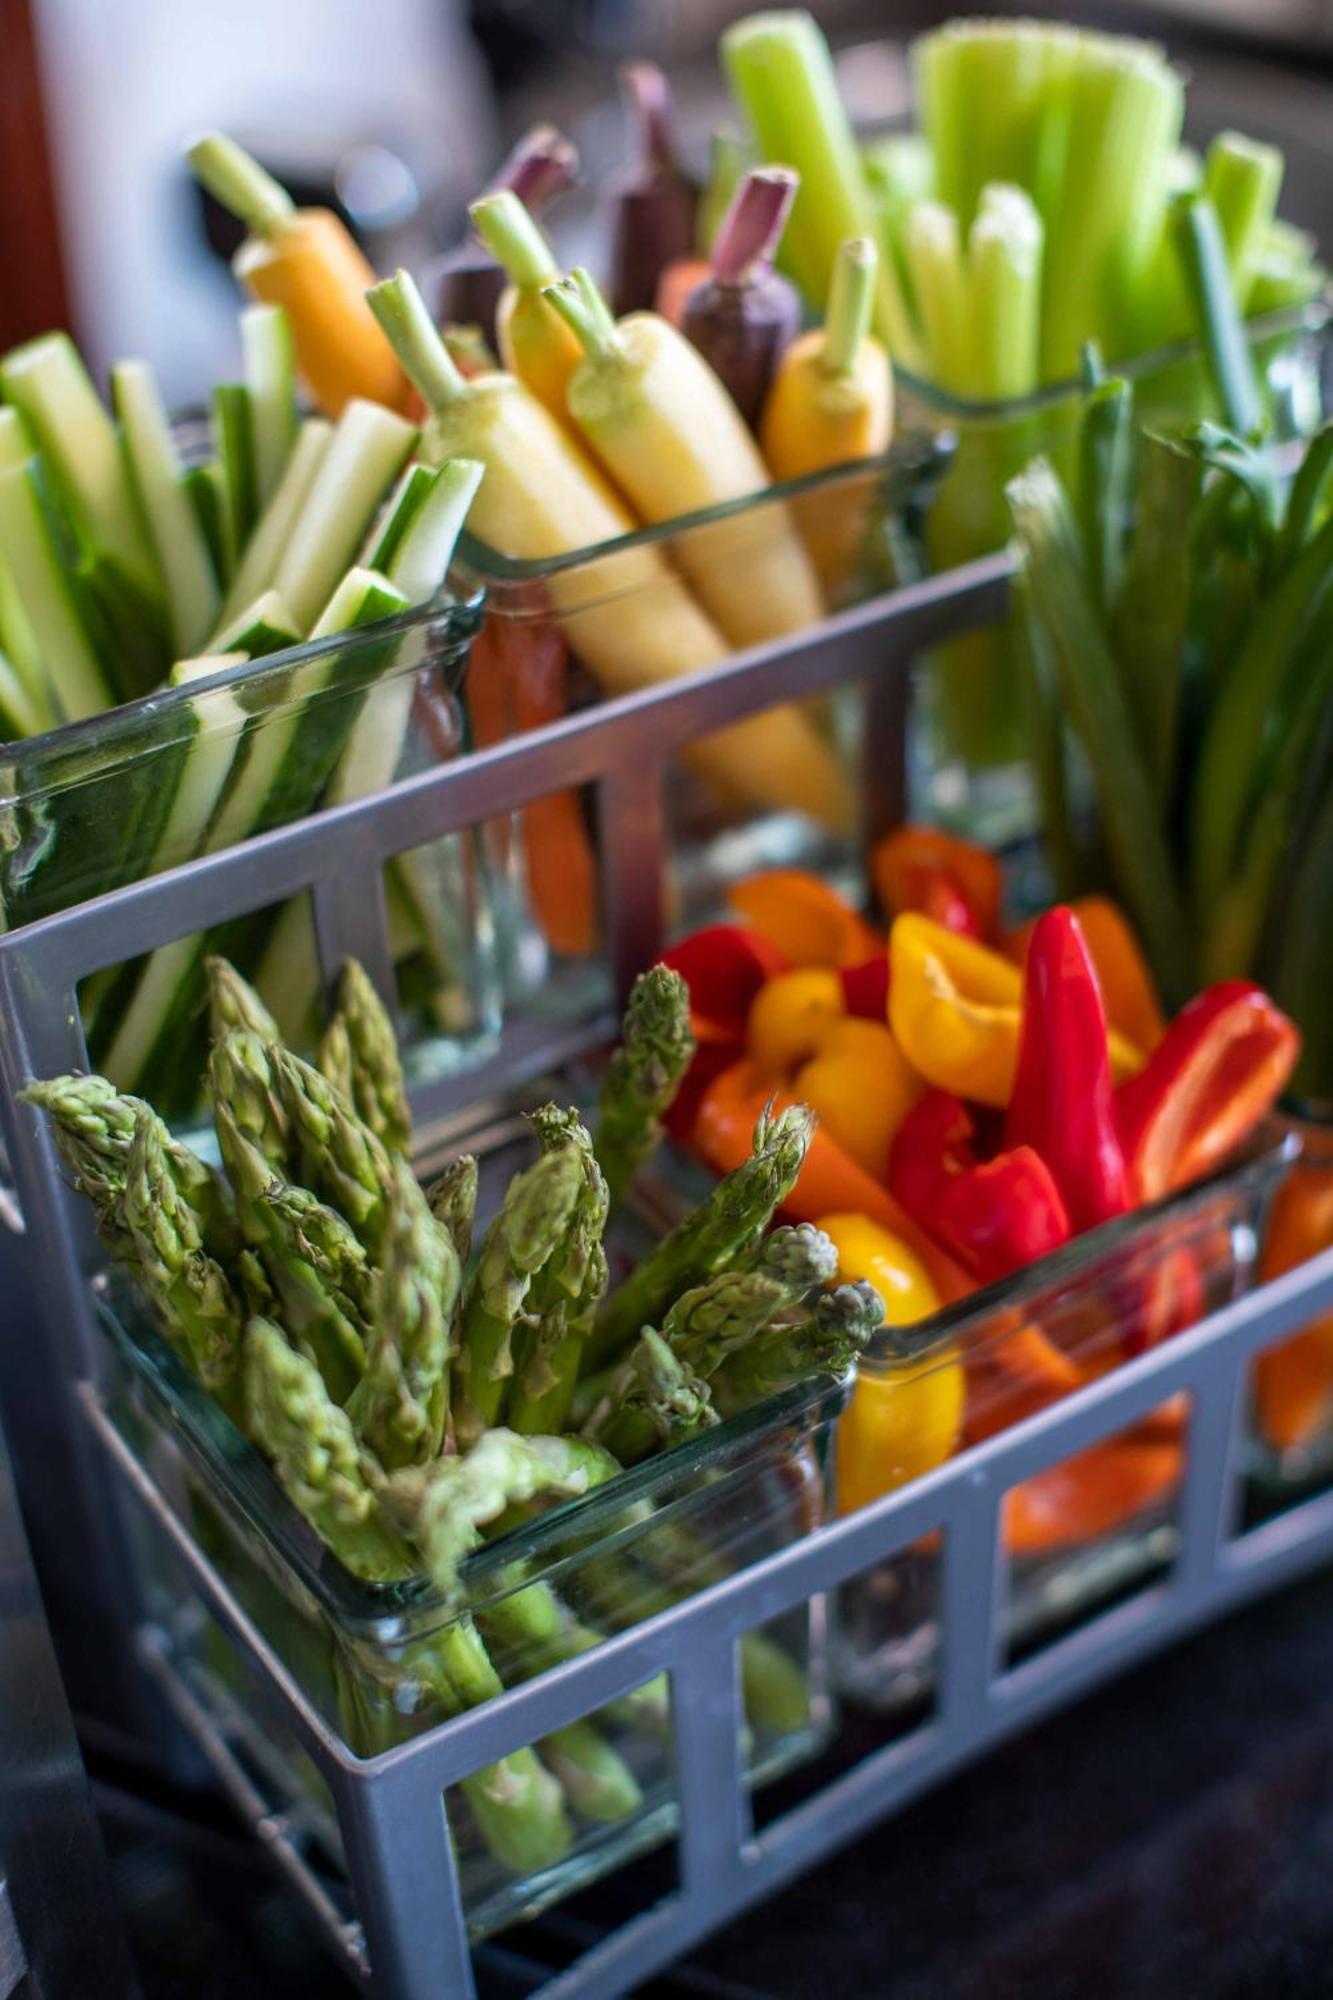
[182, 549]
[939, 285]
[781, 74]
[1243, 179]
[988, 105]
[1005, 261]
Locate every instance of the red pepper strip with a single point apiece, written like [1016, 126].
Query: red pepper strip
[995, 1216]
[724, 966]
[865, 987]
[1063, 1104]
[952, 881]
[1220, 1066]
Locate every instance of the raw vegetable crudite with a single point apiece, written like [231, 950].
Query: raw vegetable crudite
[743, 316]
[653, 203]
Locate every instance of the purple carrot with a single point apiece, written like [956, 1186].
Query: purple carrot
[653, 203]
[743, 316]
[463, 287]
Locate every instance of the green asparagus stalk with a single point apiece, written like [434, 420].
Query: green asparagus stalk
[531, 1225]
[334, 1058]
[720, 1231]
[233, 1003]
[642, 1077]
[189, 1290]
[826, 1341]
[658, 1400]
[399, 1407]
[598, 1783]
[241, 1079]
[565, 1292]
[342, 1158]
[453, 1202]
[377, 1089]
[327, 1243]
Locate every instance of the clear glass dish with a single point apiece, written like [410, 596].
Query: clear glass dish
[1079, 1534]
[102, 803]
[971, 709]
[1290, 1446]
[373, 1659]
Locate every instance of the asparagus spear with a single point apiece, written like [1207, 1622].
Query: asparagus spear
[327, 1243]
[241, 1082]
[188, 1289]
[723, 1228]
[376, 1075]
[565, 1292]
[530, 1226]
[824, 1342]
[233, 1002]
[453, 1202]
[342, 1158]
[334, 1059]
[94, 1126]
[643, 1076]
[657, 1399]
[399, 1406]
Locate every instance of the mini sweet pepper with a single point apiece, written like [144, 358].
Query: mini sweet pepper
[994, 1216]
[954, 882]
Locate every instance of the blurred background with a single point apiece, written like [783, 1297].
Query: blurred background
[394, 112]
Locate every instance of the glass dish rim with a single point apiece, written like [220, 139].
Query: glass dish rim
[378, 1610]
[917, 452]
[919, 1346]
[458, 616]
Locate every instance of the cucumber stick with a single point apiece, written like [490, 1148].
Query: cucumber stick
[268, 543]
[233, 444]
[270, 380]
[46, 590]
[278, 771]
[173, 525]
[369, 449]
[266, 626]
[203, 490]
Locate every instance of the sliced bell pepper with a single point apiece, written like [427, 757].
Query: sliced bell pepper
[1293, 1383]
[1220, 1066]
[900, 1424]
[865, 987]
[809, 923]
[952, 881]
[1089, 1495]
[867, 1250]
[1128, 992]
[995, 1216]
[956, 1009]
[829, 1182]
[790, 1016]
[709, 1060]
[861, 1086]
[1063, 1105]
[724, 966]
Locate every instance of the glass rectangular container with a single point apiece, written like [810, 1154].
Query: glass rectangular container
[1290, 1443]
[191, 769]
[1086, 1530]
[381, 1663]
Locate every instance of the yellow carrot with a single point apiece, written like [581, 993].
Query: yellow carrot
[535, 343]
[304, 260]
[831, 404]
[672, 439]
[626, 614]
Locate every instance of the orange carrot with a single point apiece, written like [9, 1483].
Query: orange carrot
[561, 869]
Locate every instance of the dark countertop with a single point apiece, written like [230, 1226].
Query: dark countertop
[1173, 1832]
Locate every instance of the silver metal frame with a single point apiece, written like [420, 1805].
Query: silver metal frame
[404, 1884]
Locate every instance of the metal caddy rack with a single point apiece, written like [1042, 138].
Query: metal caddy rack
[404, 1932]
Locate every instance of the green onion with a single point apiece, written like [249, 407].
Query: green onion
[1204, 255]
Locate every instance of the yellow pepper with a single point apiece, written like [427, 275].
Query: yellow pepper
[868, 1250]
[861, 1086]
[790, 1015]
[955, 1007]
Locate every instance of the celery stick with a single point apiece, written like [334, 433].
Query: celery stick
[265, 549]
[233, 445]
[182, 548]
[1243, 180]
[266, 626]
[900, 171]
[47, 381]
[270, 378]
[1004, 266]
[987, 106]
[369, 449]
[45, 588]
[1088, 679]
[1203, 253]
[202, 486]
[939, 286]
[782, 75]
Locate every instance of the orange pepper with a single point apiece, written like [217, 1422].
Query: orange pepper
[830, 1181]
[862, 1087]
[955, 1007]
[1128, 993]
[1089, 1495]
[809, 923]
[1293, 1383]
[906, 864]
[790, 1015]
